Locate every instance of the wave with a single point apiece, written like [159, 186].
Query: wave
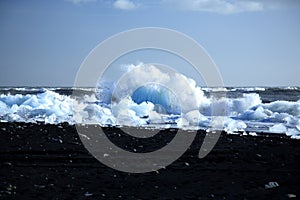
[152, 105]
[51, 107]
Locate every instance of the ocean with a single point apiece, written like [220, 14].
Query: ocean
[250, 109]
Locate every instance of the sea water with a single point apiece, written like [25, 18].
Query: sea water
[252, 109]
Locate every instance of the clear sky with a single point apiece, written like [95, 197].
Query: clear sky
[253, 42]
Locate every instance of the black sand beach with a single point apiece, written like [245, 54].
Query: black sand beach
[49, 162]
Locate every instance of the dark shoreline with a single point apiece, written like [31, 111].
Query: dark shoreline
[49, 162]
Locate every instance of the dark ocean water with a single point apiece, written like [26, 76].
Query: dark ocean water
[267, 94]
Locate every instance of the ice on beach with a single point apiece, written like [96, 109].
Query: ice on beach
[232, 126]
[4, 108]
[293, 132]
[186, 106]
[195, 118]
[278, 128]
[47, 106]
[291, 108]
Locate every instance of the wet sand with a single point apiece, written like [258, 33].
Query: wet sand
[49, 162]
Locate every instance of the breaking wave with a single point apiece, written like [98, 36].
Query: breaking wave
[152, 105]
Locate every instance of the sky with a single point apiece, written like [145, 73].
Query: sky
[252, 42]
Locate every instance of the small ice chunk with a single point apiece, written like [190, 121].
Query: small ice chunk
[278, 128]
[252, 134]
[196, 118]
[291, 195]
[155, 117]
[232, 126]
[84, 136]
[87, 194]
[292, 132]
[271, 185]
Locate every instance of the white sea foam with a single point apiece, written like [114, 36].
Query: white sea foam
[154, 106]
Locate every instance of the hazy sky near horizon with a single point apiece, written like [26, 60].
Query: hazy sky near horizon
[253, 42]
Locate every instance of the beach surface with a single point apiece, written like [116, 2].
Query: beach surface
[39, 161]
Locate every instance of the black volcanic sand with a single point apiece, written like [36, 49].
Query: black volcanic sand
[49, 162]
